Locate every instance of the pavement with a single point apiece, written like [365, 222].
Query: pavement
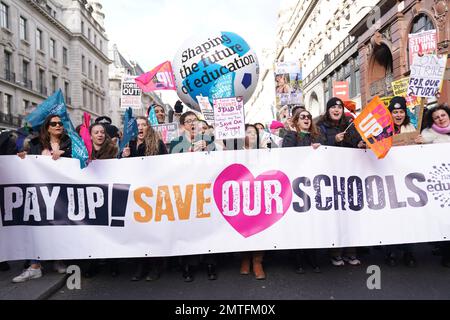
[428, 281]
[38, 289]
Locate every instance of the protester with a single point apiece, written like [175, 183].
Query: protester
[102, 148]
[54, 142]
[437, 125]
[437, 121]
[260, 127]
[402, 124]
[148, 143]
[112, 131]
[160, 113]
[337, 130]
[306, 134]
[399, 111]
[192, 140]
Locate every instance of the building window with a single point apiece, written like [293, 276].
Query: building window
[41, 82]
[7, 104]
[65, 57]
[26, 103]
[25, 72]
[82, 27]
[54, 84]
[91, 100]
[39, 40]
[23, 28]
[90, 70]
[101, 45]
[89, 34]
[66, 92]
[357, 83]
[85, 97]
[101, 78]
[422, 23]
[95, 39]
[8, 66]
[53, 48]
[83, 64]
[96, 74]
[4, 16]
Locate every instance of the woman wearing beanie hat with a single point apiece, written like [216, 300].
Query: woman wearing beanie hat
[337, 131]
[402, 122]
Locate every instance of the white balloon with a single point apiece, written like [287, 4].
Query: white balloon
[215, 65]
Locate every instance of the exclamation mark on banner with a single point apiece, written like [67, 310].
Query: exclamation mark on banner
[119, 204]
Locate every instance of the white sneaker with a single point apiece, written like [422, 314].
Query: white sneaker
[337, 261]
[28, 274]
[352, 260]
[59, 267]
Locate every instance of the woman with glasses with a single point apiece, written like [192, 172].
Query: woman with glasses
[193, 139]
[305, 134]
[337, 131]
[148, 143]
[53, 142]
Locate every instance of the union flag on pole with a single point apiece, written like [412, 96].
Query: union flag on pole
[160, 78]
[376, 127]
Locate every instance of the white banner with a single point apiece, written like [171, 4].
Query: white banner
[195, 203]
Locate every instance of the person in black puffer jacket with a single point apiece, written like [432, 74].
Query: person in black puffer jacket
[304, 133]
[337, 131]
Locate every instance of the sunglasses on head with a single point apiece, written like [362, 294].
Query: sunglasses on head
[305, 116]
[53, 124]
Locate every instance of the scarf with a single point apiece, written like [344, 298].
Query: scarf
[441, 130]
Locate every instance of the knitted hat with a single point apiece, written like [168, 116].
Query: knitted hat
[333, 102]
[397, 103]
[276, 125]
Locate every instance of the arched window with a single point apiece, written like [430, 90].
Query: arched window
[422, 23]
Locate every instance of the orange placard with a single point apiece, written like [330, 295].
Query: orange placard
[376, 127]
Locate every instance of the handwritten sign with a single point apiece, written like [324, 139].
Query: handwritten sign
[229, 118]
[400, 88]
[207, 109]
[427, 76]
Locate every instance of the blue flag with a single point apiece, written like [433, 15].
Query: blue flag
[152, 117]
[130, 129]
[53, 105]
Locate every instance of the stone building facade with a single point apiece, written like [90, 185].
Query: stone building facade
[46, 45]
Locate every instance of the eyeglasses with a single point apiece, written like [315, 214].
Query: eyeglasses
[53, 124]
[305, 116]
[191, 121]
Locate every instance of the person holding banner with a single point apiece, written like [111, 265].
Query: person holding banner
[160, 113]
[337, 131]
[437, 125]
[306, 134]
[148, 143]
[53, 142]
[399, 111]
[102, 145]
[190, 140]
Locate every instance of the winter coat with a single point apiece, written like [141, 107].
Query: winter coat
[294, 139]
[35, 147]
[329, 132]
[431, 136]
[140, 151]
[183, 144]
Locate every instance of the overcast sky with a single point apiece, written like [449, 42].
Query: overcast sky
[151, 31]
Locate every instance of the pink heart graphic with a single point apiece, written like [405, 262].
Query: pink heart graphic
[257, 211]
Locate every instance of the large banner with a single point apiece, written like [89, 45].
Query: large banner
[231, 201]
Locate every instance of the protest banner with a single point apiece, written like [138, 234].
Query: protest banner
[421, 43]
[233, 201]
[427, 75]
[341, 90]
[375, 126]
[229, 118]
[207, 109]
[131, 94]
[288, 84]
[168, 131]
